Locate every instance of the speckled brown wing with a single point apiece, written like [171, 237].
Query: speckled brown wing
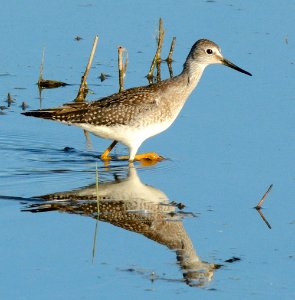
[117, 109]
[121, 108]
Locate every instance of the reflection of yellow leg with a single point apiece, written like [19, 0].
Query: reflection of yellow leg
[105, 155]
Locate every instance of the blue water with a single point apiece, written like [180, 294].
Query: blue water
[234, 137]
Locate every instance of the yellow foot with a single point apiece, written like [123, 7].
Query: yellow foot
[149, 158]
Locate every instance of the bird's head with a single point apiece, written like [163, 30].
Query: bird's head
[205, 52]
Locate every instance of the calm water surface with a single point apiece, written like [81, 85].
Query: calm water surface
[234, 138]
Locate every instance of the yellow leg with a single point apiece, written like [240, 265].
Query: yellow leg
[105, 156]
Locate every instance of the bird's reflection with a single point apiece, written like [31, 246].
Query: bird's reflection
[132, 205]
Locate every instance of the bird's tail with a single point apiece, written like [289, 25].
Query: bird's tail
[68, 113]
[44, 114]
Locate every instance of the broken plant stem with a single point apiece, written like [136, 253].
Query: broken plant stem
[122, 66]
[157, 57]
[83, 86]
[258, 206]
[41, 67]
[169, 57]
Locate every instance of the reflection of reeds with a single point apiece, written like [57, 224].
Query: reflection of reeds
[96, 224]
[96, 186]
[263, 218]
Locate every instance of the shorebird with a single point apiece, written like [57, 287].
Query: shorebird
[136, 114]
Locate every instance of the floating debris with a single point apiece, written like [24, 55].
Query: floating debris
[50, 84]
[178, 205]
[103, 76]
[24, 105]
[232, 259]
[9, 100]
[286, 40]
[68, 149]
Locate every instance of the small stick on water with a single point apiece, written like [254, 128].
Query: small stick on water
[83, 90]
[122, 66]
[157, 56]
[258, 206]
[169, 57]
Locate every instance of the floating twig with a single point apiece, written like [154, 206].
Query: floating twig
[122, 66]
[78, 38]
[258, 206]
[45, 83]
[83, 90]
[50, 84]
[157, 57]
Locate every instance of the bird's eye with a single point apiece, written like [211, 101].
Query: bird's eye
[209, 51]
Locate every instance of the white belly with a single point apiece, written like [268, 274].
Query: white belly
[129, 136]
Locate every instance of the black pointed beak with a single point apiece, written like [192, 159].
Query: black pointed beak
[233, 66]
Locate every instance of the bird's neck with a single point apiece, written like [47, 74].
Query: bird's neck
[192, 72]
